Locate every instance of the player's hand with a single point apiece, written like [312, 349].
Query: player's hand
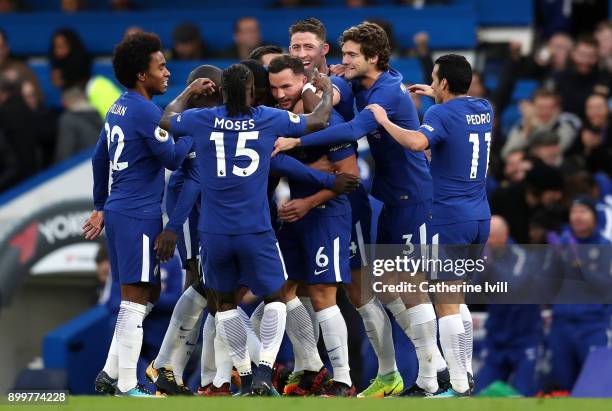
[294, 210]
[345, 183]
[379, 113]
[337, 70]
[202, 87]
[94, 225]
[285, 144]
[321, 82]
[422, 90]
[165, 243]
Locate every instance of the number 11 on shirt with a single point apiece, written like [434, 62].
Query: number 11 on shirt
[474, 139]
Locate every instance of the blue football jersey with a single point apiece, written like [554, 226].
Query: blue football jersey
[188, 169]
[402, 176]
[346, 106]
[234, 155]
[459, 133]
[136, 151]
[338, 205]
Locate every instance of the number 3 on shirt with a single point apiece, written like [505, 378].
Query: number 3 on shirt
[241, 150]
[475, 153]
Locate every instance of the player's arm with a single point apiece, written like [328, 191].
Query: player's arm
[201, 86]
[310, 97]
[294, 169]
[320, 115]
[295, 209]
[165, 243]
[412, 140]
[99, 161]
[363, 123]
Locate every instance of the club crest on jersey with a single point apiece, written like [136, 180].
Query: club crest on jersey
[403, 88]
[161, 135]
[294, 117]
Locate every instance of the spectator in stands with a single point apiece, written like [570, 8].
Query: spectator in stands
[188, 44]
[44, 122]
[18, 126]
[543, 114]
[577, 329]
[543, 66]
[583, 78]
[70, 62]
[121, 5]
[515, 168]
[477, 87]
[79, 125]
[513, 331]
[73, 6]
[8, 6]
[105, 280]
[133, 30]
[9, 163]
[603, 35]
[265, 54]
[291, 4]
[545, 146]
[422, 52]
[594, 148]
[356, 4]
[517, 203]
[247, 37]
[21, 71]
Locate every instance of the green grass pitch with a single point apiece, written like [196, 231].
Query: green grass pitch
[78, 403]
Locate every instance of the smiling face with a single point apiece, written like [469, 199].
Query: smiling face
[309, 48]
[155, 79]
[354, 61]
[286, 88]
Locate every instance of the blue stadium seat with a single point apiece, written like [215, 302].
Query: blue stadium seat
[502, 13]
[449, 27]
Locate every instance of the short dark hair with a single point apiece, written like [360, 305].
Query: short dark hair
[260, 74]
[133, 55]
[286, 61]
[241, 19]
[309, 25]
[373, 41]
[235, 77]
[588, 40]
[261, 51]
[547, 93]
[213, 73]
[457, 71]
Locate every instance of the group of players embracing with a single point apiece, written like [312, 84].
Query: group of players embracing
[222, 136]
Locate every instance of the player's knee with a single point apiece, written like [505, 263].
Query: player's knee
[139, 293]
[226, 301]
[323, 295]
[274, 297]
[354, 295]
[199, 287]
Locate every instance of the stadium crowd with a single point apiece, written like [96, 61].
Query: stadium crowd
[550, 170]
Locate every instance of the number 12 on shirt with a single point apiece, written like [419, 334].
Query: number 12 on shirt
[475, 140]
[241, 150]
